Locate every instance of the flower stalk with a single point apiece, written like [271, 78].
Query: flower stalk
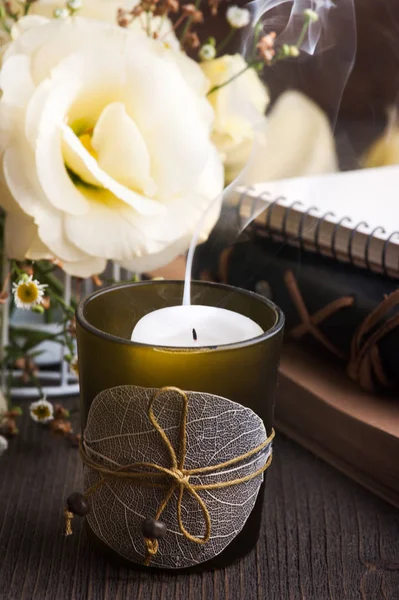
[226, 40]
[250, 65]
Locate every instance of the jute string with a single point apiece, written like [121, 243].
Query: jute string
[365, 360]
[365, 355]
[175, 478]
[310, 323]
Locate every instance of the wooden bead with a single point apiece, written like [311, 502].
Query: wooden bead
[78, 504]
[154, 530]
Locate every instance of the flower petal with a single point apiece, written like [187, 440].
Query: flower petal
[25, 23]
[20, 233]
[113, 230]
[16, 81]
[192, 73]
[110, 228]
[156, 260]
[235, 102]
[85, 268]
[39, 251]
[49, 44]
[84, 165]
[34, 110]
[297, 141]
[51, 231]
[163, 91]
[121, 150]
[20, 176]
[78, 90]
[73, 76]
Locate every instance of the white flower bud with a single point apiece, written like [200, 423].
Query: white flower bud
[311, 15]
[238, 17]
[61, 13]
[293, 51]
[207, 52]
[74, 5]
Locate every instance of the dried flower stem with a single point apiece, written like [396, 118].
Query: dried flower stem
[189, 22]
[175, 26]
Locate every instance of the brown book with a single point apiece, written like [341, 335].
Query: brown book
[319, 407]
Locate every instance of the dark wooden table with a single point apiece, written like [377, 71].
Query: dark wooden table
[323, 536]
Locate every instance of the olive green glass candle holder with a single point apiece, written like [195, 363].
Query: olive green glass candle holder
[244, 372]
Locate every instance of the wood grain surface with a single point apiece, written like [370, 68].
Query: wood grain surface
[323, 536]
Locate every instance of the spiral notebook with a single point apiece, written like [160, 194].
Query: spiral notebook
[351, 216]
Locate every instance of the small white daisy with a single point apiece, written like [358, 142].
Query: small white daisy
[41, 411]
[207, 52]
[28, 292]
[238, 17]
[3, 445]
[311, 15]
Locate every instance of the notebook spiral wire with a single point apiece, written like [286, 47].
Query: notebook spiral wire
[299, 239]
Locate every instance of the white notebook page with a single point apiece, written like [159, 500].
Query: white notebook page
[369, 197]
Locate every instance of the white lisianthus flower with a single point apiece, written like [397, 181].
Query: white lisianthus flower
[297, 141]
[238, 107]
[238, 17]
[106, 148]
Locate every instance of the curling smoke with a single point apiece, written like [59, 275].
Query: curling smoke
[324, 38]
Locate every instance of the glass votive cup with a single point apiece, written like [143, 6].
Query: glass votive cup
[244, 372]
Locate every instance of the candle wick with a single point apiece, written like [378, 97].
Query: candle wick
[195, 337]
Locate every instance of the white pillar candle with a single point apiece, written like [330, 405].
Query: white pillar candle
[190, 326]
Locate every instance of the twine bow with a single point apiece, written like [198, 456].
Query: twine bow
[178, 476]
